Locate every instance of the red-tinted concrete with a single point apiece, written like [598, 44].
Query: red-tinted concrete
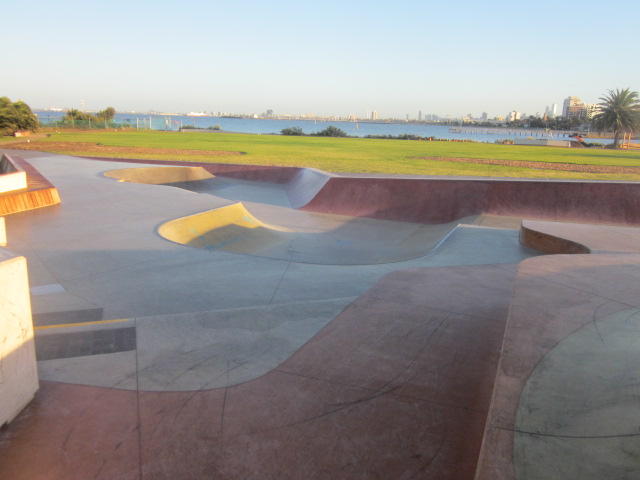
[73, 432]
[398, 386]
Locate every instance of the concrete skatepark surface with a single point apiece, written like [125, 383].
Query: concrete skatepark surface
[158, 360]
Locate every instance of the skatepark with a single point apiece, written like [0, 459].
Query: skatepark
[232, 321]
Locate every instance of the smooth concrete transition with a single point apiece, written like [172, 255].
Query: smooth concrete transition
[475, 358]
[159, 175]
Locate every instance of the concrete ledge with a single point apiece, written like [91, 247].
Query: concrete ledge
[3, 233]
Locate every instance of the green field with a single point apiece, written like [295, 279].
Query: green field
[350, 154]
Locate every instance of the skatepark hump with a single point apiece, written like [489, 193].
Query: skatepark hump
[297, 236]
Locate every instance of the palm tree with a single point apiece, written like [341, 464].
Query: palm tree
[619, 113]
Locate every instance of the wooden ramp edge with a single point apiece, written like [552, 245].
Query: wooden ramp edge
[39, 192]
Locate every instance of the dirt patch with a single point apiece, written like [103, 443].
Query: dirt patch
[94, 149]
[564, 167]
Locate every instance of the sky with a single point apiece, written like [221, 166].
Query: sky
[347, 57]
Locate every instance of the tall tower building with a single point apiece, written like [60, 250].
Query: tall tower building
[374, 115]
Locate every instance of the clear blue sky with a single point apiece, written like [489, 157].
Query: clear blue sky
[324, 57]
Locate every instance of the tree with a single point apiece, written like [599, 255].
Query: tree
[76, 118]
[16, 116]
[619, 113]
[106, 115]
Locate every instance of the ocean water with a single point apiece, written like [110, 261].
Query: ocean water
[354, 129]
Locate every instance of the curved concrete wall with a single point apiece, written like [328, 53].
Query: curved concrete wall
[444, 200]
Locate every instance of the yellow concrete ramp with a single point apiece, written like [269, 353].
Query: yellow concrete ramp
[231, 228]
[159, 175]
[336, 240]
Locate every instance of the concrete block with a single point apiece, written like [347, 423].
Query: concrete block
[18, 369]
[11, 176]
[3, 233]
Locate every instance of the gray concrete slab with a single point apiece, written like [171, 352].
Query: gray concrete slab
[578, 416]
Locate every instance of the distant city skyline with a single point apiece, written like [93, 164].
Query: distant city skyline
[329, 58]
[550, 111]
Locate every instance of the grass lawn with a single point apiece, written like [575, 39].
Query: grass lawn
[348, 154]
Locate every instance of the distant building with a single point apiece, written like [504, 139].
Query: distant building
[484, 117]
[420, 115]
[513, 116]
[550, 112]
[269, 113]
[591, 109]
[573, 107]
[374, 115]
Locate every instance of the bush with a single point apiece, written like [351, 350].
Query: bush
[292, 131]
[330, 131]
